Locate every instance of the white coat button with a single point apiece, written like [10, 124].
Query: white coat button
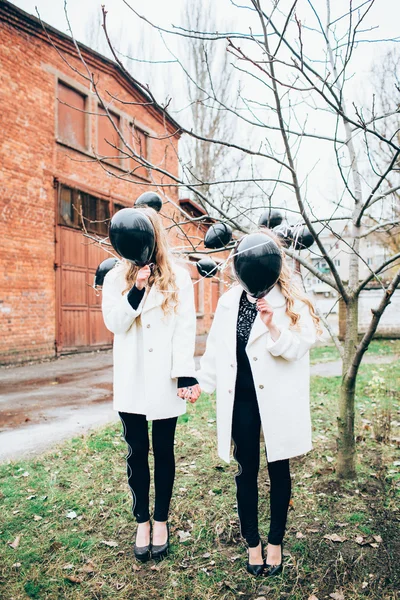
[255, 358]
[148, 326]
[261, 387]
[233, 366]
[230, 391]
[150, 349]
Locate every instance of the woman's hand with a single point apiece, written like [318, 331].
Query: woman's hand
[191, 393]
[142, 277]
[267, 315]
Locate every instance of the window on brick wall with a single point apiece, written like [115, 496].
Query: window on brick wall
[139, 143]
[215, 294]
[71, 116]
[198, 287]
[108, 142]
[76, 208]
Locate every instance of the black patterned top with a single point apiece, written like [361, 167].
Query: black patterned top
[246, 317]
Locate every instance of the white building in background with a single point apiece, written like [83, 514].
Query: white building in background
[373, 252]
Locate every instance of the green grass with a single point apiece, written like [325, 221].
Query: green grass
[62, 558]
[376, 348]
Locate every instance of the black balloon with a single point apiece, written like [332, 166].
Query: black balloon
[150, 199]
[132, 236]
[218, 236]
[302, 237]
[103, 269]
[257, 263]
[207, 267]
[285, 234]
[270, 218]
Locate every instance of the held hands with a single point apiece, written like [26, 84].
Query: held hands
[142, 277]
[267, 315]
[191, 393]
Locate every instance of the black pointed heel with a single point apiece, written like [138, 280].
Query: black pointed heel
[256, 570]
[272, 570]
[161, 552]
[143, 553]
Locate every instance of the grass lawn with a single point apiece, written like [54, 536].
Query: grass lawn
[68, 515]
[377, 348]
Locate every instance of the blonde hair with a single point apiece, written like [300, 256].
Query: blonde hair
[290, 290]
[162, 275]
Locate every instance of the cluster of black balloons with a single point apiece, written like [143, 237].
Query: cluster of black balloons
[257, 259]
[298, 235]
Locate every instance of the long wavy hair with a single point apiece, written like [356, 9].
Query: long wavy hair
[289, 288]
[162, 275]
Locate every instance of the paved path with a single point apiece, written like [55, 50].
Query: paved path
[334, 368]
[46, 403]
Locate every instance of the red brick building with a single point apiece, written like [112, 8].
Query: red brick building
[54, 129]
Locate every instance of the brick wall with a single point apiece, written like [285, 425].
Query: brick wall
[32, 159]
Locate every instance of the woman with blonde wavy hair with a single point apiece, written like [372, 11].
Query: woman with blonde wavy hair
[257, 358]
[151, 312]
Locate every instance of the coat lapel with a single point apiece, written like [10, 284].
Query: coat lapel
[277, 300]
[153, 299]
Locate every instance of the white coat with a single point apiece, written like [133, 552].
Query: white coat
[151, 350]
[280, 372]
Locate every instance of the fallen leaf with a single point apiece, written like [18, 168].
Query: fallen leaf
[26, 474]
[359, 540]
[31, 497]
[37, 518]
[136, 567]
[15, 512]
[16, 565]
[334, 537]
[312, 530]
[329, 459]
[71, 515]
[109, 543]
[312, 597]
[378, 538]
[15, 543]
[364, 585]
[155, 568]
[299, 535]
[184, 535]
[261, 598]
[374, 545]
[88, 567]
[206, 555]
[73, 579]
[337, 596]
[68, 567]
[342, 524]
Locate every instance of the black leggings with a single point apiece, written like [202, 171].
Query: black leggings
[136, 435]
[246, 437]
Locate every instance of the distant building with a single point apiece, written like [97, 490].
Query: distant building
[53, 128]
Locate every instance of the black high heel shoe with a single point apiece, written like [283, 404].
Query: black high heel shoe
[143, 553]
[271, 570]
[256, 570]
[161, 551]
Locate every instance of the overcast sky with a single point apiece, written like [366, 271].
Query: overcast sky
[318, 162]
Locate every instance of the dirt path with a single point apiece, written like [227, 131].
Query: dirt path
[334, 368]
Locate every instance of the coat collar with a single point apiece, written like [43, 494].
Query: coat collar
[232, 297]
[231, 301]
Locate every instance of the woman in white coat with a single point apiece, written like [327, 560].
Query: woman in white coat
[152, 315]
[257, 358]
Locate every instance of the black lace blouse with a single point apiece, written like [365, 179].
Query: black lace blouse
[246, 317]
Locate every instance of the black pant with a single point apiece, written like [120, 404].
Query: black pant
[246, 437]
[136, 435]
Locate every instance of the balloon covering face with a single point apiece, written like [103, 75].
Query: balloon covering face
[270, 218]
[207, 267]
[302, 237]
[132, 236]
[285, 234]
[257, 263]
[103, 269]
[218, 236]
[150, 199]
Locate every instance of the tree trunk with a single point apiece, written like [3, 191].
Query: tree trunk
[346, 442]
